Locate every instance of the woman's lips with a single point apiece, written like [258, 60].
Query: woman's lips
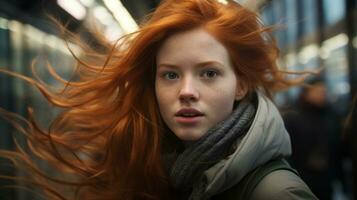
[188, 116]
[189, 120]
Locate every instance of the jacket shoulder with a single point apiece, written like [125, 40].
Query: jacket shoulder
[282, 184]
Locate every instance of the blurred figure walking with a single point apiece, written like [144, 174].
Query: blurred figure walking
[315, 135]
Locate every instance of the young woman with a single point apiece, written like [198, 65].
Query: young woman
[180, 110]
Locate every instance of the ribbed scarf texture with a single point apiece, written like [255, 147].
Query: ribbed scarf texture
[187, 171]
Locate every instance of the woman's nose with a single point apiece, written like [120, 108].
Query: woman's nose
[188, 91]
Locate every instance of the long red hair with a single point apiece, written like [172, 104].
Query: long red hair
[110, 134]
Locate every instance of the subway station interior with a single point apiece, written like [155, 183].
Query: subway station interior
[313, 35]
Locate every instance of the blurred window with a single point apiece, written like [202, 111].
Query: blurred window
[267, 15]
[308, 16]
[337, 77]
[4, 42]
[333, 11]
[291, 21]
[278, 7]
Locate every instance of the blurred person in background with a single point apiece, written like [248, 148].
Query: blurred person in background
[349, 139]
[315, 131]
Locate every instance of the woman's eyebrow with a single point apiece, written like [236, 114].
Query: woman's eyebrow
[215, 63]
[168, 65]
[201, 64]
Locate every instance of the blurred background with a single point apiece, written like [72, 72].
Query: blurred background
[311, 34]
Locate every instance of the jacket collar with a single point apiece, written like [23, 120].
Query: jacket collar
[266, 139]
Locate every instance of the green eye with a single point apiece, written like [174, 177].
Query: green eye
[170, 75]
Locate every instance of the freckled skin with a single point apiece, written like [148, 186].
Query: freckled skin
[194, 71]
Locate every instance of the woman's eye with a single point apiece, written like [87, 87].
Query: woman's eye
[170, 75]
[209, 74]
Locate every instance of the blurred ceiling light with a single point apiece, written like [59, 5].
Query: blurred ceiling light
[113, 32]
[51, 41]
[242, 1]
[121, 15]
[354, 42]
[324, 54]
[87, 3]
[222, 1]
[308, 52]
[290, 59]
[14, 26]
[103, 15]
[251, 4]
[34, 34]
[73, 7]
[3, 23]
[335, 42]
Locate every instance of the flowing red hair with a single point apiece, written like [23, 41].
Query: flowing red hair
[110, 134]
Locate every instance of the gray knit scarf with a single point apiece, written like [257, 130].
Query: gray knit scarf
[187, 172]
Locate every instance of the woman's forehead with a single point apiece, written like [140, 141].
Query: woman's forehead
[195, 45]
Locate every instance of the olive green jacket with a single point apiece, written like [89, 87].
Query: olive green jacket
[267, 139]
[277, 185]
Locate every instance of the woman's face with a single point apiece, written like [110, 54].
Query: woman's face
[195, 83]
